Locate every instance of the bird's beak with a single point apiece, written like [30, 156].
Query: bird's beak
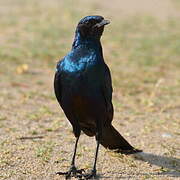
[102, 23]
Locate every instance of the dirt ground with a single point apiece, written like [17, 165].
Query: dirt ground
[142, 49]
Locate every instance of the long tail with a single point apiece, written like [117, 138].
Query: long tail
[112, 139]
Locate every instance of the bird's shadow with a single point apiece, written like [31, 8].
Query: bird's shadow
[172, 164]
[169, 166]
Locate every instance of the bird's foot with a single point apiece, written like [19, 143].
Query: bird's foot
[90, 175]
[73, 172]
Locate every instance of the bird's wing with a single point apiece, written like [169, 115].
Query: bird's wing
[107, 93]
[108, 84]
[111, 138]
[57, 82]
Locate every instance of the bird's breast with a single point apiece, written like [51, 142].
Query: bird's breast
[81, 61]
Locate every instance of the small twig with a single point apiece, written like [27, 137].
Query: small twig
[31, 137]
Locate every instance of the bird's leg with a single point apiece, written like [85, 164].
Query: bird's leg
[74, 155]
[92, 174]
[72, 171]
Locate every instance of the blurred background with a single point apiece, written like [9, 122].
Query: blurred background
[142, 48]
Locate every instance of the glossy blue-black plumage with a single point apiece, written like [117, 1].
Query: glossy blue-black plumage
[84, 81]
[83, 88]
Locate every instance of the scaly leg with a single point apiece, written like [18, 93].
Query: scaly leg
[73, 172]
[92, 174]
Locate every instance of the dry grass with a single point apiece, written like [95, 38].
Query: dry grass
[143, 52]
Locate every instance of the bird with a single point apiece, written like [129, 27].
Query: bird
[83, 88]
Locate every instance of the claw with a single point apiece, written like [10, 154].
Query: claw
[80, 171]
[61, 173]
[73, 172]
[89, 175]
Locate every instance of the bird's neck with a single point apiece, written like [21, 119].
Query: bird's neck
[89, 42]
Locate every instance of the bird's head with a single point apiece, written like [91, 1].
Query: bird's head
[91, 26]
